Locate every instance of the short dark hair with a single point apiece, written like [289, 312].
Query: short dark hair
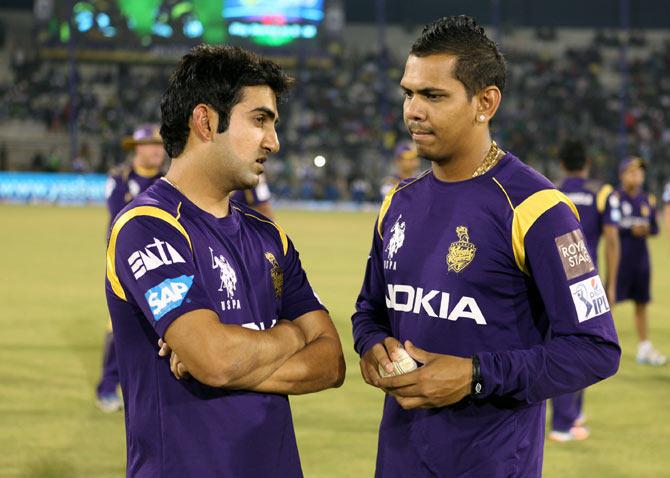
[479, 62]
[214, 75]
[573, 155]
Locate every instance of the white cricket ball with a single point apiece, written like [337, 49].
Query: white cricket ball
[402, 363]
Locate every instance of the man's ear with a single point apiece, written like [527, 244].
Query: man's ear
[488, 101]
[204, 121]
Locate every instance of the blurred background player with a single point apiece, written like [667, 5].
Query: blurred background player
[406, 164]
[637, 212]
[590, 197]
[257, 198]
[125, 182]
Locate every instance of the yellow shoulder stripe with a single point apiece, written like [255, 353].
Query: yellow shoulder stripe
[652, 200]
[282, 234]
[150, 211]
[529, 211]
[386, 204]
[601, 197]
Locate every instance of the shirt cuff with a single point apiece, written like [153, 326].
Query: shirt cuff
[370, 341]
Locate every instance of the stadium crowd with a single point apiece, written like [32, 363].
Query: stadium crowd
[350, 113]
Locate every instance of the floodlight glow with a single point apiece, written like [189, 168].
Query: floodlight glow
[84, 21]
[103, 20]
[193, 29]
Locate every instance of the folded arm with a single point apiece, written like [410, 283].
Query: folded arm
[231, 356]
[317, 366]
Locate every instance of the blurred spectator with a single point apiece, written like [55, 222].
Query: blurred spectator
[351, 114]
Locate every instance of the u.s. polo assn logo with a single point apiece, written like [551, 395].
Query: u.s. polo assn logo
[228, 279]
[395, 243]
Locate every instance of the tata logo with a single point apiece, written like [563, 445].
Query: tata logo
[168, 295]
[405, 298]
[154, 255]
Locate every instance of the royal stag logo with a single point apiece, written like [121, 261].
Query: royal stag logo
[397, 238]
[226, 273]
[276, 273]
[461, 252]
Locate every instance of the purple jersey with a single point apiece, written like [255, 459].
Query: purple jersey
[495, 266]
[634, 277]
[590, 198]
[123, 185]
[167, 257]
[255, 196]
[640, 209]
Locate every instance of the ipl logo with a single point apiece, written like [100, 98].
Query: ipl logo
[226, 273]
[395, 243]
[589, 298]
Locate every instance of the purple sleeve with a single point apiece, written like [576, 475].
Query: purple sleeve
[582, 347]
[370, 322]
[155, 266]
[115, 194]
[612, 213]
[653, 220]
[298, 297]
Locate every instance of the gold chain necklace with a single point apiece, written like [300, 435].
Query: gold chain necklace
[491, 159]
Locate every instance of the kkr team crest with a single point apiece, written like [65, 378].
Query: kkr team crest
[226, 274]
[276, 273]
[462, 252]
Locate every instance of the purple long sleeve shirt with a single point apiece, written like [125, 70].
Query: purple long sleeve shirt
[496, 266]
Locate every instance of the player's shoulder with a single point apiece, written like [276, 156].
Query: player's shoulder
[530, 196]
[399, 192]
[651, 199]
[152, 208]
[595, 187]
[120, 172]
[520, 182]
[261, 223]
[666, 193]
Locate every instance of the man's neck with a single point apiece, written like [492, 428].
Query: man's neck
[632, 191]
[145, 172]
[462, 165]
[186, 175]
[577, 174]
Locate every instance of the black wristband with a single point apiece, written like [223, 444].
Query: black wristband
[477, 389]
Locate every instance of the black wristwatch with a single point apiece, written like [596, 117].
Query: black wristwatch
[477, 389]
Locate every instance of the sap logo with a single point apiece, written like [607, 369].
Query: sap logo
[589, 298]
[154, 255]
[405, 298]
[168, 295]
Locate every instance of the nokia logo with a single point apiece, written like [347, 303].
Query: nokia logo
[405, 298]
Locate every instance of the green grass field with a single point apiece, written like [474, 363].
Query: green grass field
[52, 322]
